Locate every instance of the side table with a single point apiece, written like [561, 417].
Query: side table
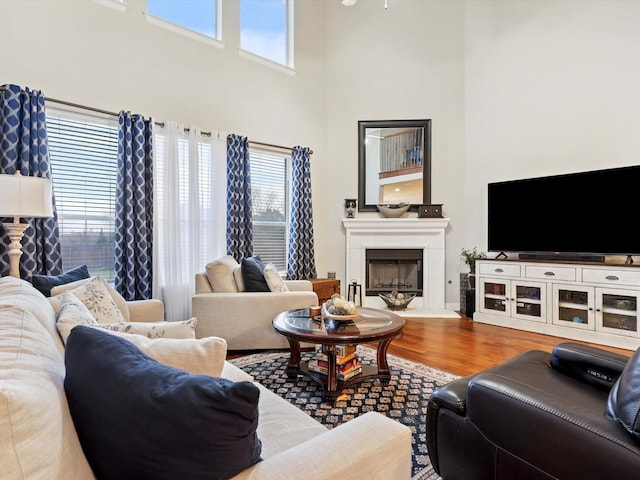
[324, 288]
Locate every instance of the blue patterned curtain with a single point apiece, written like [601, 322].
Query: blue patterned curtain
[239, 206]
[24, 148]
[134, 208]
[301, 262]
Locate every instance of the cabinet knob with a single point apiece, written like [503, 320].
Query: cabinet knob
[611, 277]
[549, 274]
[498, 270]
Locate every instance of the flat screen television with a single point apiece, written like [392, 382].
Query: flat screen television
[578, 214]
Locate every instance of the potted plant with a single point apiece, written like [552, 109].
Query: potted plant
[470, 256]
[468, 280]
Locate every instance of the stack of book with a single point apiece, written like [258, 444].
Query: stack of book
[347, 362]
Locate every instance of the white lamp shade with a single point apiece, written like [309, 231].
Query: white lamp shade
[27, 197]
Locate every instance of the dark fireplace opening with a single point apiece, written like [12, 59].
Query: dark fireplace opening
[391, 269]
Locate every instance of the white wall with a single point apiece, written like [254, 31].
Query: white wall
[406, 62]
[550, 88]
[513, 88]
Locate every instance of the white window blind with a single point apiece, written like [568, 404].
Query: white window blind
[84, 155]
[270, 175]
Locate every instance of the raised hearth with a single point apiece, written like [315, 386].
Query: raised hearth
[426, 234]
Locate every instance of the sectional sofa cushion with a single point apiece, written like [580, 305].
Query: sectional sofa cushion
[44, 283]
[137, 418]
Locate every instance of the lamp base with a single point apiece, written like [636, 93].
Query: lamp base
[15, 231]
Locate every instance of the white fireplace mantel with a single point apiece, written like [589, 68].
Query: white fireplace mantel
[427, 234]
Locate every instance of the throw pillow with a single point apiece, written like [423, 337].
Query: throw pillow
[624, 397]
[237, 276]
[72, 313]
[273, 279]
[186, 329]
[253, 275]
[96, 297]
[220, 274]
[195, 355]
[143, 419]
[119, 299]
[45, 283]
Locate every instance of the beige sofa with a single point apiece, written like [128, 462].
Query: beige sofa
[244, 319]
[39, 441]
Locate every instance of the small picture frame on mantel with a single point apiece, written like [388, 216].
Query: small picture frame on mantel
[430, 211]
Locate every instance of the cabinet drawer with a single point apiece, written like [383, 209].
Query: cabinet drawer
[622, 276]
[550, 272]
[499, 269]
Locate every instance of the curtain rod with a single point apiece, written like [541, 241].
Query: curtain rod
[271, 145]
[160, 124]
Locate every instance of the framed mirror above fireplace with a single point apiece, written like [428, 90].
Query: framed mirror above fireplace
[394, 163]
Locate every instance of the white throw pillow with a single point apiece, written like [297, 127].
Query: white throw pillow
[72, 313]
[237, 275]
[186, 329]
[96, 297]
[204, 356]
[273, 279]
[220, 274]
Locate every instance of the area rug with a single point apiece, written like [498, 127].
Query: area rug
[404, 399]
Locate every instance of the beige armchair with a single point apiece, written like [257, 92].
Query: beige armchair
[244, 319]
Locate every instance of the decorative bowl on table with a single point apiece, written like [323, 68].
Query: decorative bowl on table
[393, 210]
[339, 317]
[397, 301]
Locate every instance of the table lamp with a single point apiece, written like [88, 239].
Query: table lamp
[22, 197]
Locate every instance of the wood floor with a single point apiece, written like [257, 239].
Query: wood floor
[463, 347]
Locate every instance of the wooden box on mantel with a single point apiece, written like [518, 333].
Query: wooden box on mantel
[324, 288]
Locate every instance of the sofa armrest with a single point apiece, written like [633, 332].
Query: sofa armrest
[299, 285]
[244, 319]
[151, 310]
[598, 367]
[369, 446]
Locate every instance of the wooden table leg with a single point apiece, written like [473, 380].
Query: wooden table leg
[293, 368]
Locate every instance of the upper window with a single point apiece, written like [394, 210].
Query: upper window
[266, 29]
[200, 16]
[270, 173]
[84, 157]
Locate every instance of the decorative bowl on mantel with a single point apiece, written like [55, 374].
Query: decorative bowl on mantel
[393, 210]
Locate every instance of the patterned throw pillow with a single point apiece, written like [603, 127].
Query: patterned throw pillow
[96, 297]
[72, 313]
[186, 329]
[273, 278]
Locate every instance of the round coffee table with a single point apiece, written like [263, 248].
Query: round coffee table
[371, 325]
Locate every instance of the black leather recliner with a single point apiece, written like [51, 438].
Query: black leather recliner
[572, 414]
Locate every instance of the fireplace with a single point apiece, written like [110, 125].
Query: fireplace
[392, 269]
[404, 236]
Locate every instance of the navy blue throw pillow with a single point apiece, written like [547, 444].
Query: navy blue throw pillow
[138, 418]
[252, 270]
[45, 283]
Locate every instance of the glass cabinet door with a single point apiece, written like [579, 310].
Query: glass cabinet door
[529, 301]
[617, 311]
[573, 306]
[494, 297]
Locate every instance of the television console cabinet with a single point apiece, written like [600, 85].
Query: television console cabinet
[595, 303]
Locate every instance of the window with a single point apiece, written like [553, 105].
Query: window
[201, 16]
[270, 180]
[84, 156]
[266, 29]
